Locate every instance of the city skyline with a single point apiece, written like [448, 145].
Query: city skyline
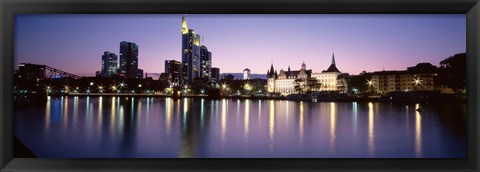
[360, 42]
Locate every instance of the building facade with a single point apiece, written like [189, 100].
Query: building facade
[390, 81]
[284, 82]
[174, 69]
[246, 74]
[215, 74]
[129, 61]
[190, 52]
[109, 64]
[205, 63]
[298, 81]
[331, 79]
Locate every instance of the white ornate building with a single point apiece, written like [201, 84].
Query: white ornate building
[331, 79]
[284, 82]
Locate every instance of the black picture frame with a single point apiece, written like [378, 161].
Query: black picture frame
[8, 9]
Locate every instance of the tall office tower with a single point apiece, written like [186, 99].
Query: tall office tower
[215, 74]
[246, 74]
[174, 68]
[129, 60]
[190, 52]
[109, 64]
[205, 63]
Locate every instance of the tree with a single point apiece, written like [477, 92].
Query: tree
[299, 85]
[313, 85]
[358, 83]
[452, 72]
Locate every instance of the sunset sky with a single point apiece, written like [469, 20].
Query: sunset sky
[75, 43]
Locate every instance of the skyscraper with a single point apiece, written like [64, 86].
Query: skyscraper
[129, 60]
[190, 52]
[174, 68]
[205, 63]
[109, 64]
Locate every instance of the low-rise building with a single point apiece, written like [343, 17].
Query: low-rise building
[389, 81]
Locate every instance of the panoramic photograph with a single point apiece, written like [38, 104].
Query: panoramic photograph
[240, 86]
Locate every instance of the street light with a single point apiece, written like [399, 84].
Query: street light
[248, 87]
[139, 85]
[370, 85]
[417, 81]
[91, 83]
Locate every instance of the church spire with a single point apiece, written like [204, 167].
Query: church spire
[333, 58]
[184, 24]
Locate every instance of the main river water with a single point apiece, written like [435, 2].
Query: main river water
[120, 127]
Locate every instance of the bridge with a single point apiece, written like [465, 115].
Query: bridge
[29, 70]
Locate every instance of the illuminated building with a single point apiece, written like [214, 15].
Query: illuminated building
[109, 64]
[285, 81]
[390, 81]
[205, 63]
[331, 79]
[246, 74]
[190, 52]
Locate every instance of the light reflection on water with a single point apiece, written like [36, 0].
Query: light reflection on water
[371, 134]
[333, 127]
[162, 127]
[418, 133]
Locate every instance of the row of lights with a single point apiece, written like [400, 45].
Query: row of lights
[101, 88]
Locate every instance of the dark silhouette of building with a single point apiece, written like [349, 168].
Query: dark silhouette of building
[174, 69]
[129, 61]
[215, 74]
[333, 66]
[229, 77]
[28, 71]
[109, 64]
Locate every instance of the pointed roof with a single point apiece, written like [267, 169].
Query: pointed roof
[332, 67]
[333, 58]
[270, 73]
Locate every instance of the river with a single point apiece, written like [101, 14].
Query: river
[134, 127]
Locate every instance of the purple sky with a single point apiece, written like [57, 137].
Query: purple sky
[75, 43]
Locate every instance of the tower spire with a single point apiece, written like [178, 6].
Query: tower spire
[333, 58]
[184, 24]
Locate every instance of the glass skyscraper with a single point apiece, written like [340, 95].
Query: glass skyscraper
[109, 64]
[190, 53]
[205, 63]
[129, 60]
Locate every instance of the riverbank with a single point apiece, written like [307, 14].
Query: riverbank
[295, 97]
